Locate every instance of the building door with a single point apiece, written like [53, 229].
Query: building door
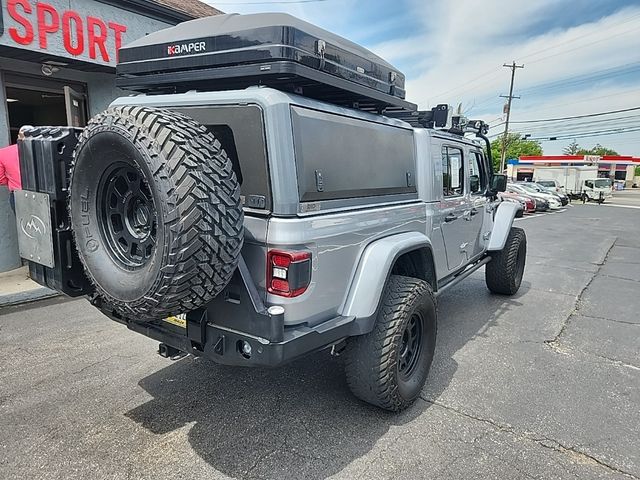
[76, 107]
[37, 101]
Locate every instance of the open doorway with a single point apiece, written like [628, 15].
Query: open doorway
[32, 107]
[33, 102]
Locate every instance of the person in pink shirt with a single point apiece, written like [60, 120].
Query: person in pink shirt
[10, 167]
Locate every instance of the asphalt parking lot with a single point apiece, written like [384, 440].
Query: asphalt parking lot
[545, 384]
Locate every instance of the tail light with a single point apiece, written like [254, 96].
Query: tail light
[288, 273]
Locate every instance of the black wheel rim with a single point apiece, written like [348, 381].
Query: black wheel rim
[127, 215]
[411, 346]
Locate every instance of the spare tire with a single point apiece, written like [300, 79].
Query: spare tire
[155, 211]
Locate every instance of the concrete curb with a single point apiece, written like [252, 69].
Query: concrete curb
[27, 296]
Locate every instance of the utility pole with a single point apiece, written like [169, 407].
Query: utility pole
[509, 97]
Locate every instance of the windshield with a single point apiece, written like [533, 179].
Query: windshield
[601, 183]
[547, 183]
[530, 188]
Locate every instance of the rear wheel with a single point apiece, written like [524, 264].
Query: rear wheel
[155, 210]
[503, 274]
[389, 366]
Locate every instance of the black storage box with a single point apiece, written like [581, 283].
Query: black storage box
[235, 51]
[45, 158]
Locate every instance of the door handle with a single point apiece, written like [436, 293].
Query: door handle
[450, 218]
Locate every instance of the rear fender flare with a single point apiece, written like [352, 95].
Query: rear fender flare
[502, 222]
[371, 276]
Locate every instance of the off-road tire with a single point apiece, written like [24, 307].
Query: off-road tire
[503, 274]
[187, 205]
[372, 360]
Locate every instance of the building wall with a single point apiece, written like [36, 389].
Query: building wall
[43, 37]
[21, 16]
[101, 88]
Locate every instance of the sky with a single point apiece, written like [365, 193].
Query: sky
[580, 57]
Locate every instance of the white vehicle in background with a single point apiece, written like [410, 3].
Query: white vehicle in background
[596, 188]
[551, 184]
[577, 181]
[535, 192]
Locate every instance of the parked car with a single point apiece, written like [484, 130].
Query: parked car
[535, 192]
[541, 204]
[551, 184]
[518, 203]
[528, 203]
[564, 199]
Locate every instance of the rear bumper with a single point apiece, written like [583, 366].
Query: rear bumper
[224, 345]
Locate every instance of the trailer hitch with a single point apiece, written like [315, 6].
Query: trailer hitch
[172, 353]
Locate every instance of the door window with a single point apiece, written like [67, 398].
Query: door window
[477, 174]
[452, 172]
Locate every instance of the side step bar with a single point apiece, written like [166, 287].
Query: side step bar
[462, 275]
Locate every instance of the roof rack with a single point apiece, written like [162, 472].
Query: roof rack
[440, 117]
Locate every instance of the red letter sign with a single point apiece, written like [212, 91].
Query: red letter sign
[45, 27]
[97, 39]
[118, 30]
[27, 37]
[67, 30]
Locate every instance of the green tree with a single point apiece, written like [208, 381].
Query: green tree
[516, 146]
[637, 172]
[572, 149]
[597, 150]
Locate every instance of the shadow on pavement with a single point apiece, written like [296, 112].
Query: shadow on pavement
[465, 313]
[299, 421]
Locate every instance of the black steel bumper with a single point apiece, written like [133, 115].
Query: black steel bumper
[225, 345]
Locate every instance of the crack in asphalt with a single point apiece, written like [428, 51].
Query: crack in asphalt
[542, 440]
[564, 349]
[381, 453]
[280, 448]
[98, 362]
[621, 278]
[557, 346]
[263, 457]
[576, 306]
[610, 319]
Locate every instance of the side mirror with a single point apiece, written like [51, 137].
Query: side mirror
[498, 183]
[474, 183]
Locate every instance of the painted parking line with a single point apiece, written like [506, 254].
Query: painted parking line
[617, 205]
[537, 215]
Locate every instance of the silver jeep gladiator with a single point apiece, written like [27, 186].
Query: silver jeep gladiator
[258, 224]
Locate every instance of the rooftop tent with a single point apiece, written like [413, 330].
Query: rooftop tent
[235, 51]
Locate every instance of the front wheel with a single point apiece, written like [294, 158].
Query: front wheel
[389, 366]
[503, 274]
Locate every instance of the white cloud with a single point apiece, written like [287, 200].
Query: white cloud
[468, 66]
[457, 54]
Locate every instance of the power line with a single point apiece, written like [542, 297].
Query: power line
[482, 75]
[613, 123]
[596, 133]
[577, 116]
[604, 74]
[535, 53]
[561, 84]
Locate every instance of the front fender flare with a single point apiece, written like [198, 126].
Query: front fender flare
[502, 222]
[373, 271]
